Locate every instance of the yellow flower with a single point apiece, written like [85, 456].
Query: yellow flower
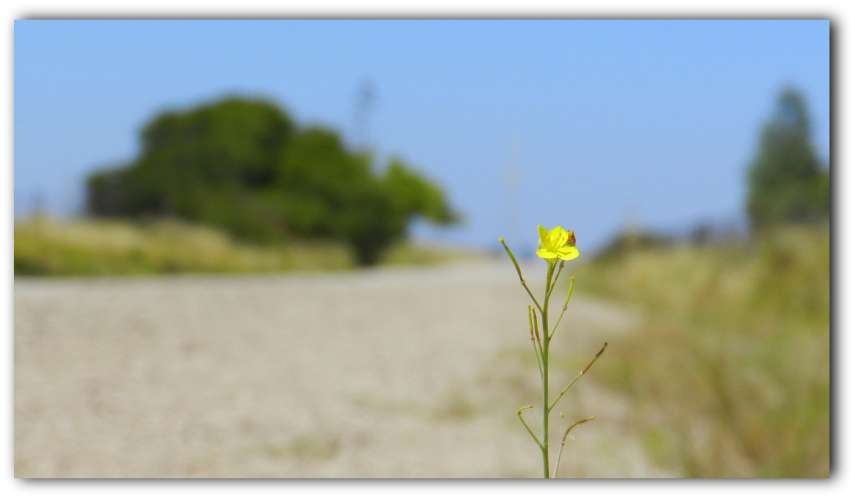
[557, 243]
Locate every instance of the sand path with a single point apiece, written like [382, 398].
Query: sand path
[393, 372]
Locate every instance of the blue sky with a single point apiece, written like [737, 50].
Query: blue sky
[592, 124]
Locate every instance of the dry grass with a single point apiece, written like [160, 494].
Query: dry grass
[729, 369]
[406, 254]
[96, 247]
[47, 247]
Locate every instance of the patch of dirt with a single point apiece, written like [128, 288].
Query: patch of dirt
[394, 372]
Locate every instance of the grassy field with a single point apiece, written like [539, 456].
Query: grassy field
[89, 247]
[729, 368]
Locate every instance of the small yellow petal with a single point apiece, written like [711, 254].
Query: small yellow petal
[546, 254]
[557, 237]
[543, 235]
[568, 253]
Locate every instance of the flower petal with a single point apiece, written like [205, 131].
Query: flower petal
[544, 253]
[568, 253]
[557, 237]
[542, 234]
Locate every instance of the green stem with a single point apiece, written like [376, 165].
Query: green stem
[531, 432]
[535, 339]
[570, 290]
[579, 375]
[546, 408]
[551, 283]
[545, 447]
[519, 273]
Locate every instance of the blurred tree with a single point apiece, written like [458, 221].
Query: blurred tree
[243, 166]
[412, 195]
[787, 182]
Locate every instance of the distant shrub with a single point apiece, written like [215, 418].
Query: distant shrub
[243, 166]
[787, 183]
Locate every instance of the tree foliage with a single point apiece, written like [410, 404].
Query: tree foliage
[244, 166]
[787, 182]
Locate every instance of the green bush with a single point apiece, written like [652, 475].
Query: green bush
[244, 167]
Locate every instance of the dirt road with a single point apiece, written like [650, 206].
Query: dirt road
[394, 372]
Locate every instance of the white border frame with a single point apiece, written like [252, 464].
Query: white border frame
[841, 15]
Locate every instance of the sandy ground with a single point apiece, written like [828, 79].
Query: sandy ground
[387, 373]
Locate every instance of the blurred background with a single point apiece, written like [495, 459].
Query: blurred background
[267, 248]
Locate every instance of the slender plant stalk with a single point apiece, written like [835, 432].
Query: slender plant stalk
[519, 274]
[579, 375]
[541, 336]
[564, 441]
[545, 321]
[566, 303]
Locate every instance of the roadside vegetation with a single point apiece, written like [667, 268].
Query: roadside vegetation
[47, 247]
[728, 370]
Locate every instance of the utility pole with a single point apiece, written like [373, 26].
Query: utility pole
[365, 102]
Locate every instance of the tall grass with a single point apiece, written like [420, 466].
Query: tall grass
[98, 247]
[729, 369]
[88, 247]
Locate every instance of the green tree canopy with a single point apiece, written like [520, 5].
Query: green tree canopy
[787, 182]
[244, 166]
